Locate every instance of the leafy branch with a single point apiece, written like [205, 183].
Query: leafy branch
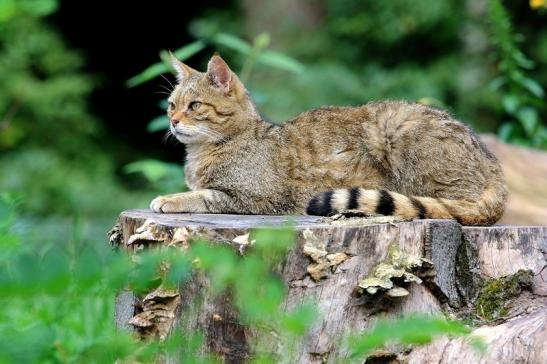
[256, 52]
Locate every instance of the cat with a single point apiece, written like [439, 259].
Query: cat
[391, 158]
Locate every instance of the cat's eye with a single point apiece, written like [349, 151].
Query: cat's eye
[170, 105]
[194, 105]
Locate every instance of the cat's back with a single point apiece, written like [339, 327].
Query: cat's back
[377, 124]
[386, 115]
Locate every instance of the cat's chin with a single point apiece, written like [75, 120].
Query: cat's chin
[184, 138]
[188, 138]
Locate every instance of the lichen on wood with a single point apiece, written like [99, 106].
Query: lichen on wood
[158, 312]
[399, 267]
[323, 262]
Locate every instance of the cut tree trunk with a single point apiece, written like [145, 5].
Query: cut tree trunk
[466, 261]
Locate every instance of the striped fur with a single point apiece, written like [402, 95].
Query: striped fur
[484, 211]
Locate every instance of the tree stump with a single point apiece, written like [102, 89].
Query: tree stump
[468, 265]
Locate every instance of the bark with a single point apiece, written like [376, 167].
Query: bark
[333, 258]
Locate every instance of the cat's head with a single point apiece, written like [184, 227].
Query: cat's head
[210, 106]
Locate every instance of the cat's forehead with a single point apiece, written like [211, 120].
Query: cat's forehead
[191, 87]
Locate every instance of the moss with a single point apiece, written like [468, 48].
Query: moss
[496, 295]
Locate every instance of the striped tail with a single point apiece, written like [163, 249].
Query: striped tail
[485, 211]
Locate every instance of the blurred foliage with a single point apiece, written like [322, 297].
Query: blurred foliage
[255, 52]
[165, 177]
[523, 98]
[52, 149]
[57, 300]
[43, 93]
[367, 50]
[410, 330]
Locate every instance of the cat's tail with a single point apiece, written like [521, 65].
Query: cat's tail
[484, 211]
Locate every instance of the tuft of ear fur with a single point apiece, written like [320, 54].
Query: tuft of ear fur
[183, 71]
[219, 73]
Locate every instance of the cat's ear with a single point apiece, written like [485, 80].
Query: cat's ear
[183, 71]
[219, 73]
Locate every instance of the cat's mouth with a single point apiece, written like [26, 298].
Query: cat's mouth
[182, 133]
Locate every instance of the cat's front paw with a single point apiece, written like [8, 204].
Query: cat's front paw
[167, 204]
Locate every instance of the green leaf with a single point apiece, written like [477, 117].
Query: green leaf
[271, 243]
[510, 103]
[532, 86]
[281, 61]
[145, 276]
[298, 321]
[6, 214]
[8, 10]
[162, 67]
[189, 50]
[506, 131]
[415, 329]
[179, 271]
[157, 124]
[219, 261]
[522, 61]
[163, 104]
[529, 120]
[262, 41]
[153, 170]
[271, 294]
[151, 72]
[39, 7]
[540, 137]
[232, 42]
[518, 140]
[497, 82]
[9, 244]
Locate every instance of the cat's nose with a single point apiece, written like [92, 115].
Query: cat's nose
[174, 122]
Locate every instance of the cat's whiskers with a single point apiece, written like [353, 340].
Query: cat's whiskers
[211, 133]
[166, 88]
[169, 137]
[169, 82]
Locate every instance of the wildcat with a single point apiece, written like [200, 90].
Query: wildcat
[390, 158]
